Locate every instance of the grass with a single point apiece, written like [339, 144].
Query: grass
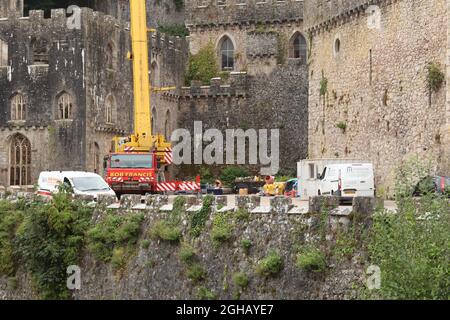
[246, 244]
[165, 231]
[222, 229]
[241, 280]
[271, 265]
[187, 254]
[204, 293]
[195, 272]
[311, 259]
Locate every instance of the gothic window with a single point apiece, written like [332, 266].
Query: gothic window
[298, 47]
[65, 106]
[40, 50]
[167, 126]
[226, 54]
[18, 107]
[3, 53]
[20, 161]
[110, 106]
[154, 120]
[96, 158]
[154, 74]
[110, 56]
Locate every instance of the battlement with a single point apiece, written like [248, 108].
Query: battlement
[321, 14]
[160, 42]
[204, 13]
[61, 16]
[236, 85]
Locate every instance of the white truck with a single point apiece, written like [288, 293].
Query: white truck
[80, 183]
[344, 178]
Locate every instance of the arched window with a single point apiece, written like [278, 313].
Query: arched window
[154, 74]
[298, 47]
[3, 53]
[226, 54]
[154, 120]
[110, 106]
[65, 106]
[40, 50]
[167, 126]
[96, 157]
[20, 161]
[18, 107]
[110, 56]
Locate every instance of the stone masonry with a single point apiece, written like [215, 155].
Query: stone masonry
[368, 94]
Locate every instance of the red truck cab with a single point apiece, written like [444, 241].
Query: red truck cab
[131, 173]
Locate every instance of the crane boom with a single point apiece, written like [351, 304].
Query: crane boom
[142, 140]
[141, 83]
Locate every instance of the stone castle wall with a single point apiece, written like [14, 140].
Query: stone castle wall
[376, 86]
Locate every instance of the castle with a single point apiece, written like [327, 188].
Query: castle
[340, 79]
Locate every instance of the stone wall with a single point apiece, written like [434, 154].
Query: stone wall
[76, 65]
[234, 12]
[156, 271]
[160, 12]
[376, 88]
[274, 101]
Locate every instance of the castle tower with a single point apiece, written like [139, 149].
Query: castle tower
[11, 7]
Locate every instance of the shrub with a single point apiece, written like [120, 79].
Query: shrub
[50, 239]
[242, 214]
[342, 126]
[187, 254]
[195, 272]
[412, 249]
[311, 259]
[204, 293]
[200, 217]
[113, 231]
[222, 228]
[202, 66]
[145, 243]
[165, 231]
[10, 219]
[229, 174]
[169, 229]
[241, 280]
[435, 77]
[270, 265]
[246, 244]
[118, 259]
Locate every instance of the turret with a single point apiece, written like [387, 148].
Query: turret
[11, 8]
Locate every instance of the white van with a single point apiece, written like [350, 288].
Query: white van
[81, 183]
[343, 178]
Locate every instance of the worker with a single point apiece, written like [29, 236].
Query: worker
[218, 184]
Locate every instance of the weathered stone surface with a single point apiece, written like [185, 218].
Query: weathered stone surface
[280, 204]
[322, 203]
[248, 202]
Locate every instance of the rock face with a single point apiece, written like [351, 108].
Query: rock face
[368, 94]
[156, 271]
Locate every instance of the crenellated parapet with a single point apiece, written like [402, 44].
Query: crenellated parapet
[214, 13]
[237, 86]
[325, 14]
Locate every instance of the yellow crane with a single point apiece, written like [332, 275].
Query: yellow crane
[143, 139]
[134, 163]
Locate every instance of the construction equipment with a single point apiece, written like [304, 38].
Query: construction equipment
[136, 163]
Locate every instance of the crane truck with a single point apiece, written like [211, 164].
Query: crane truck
[135, 164]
